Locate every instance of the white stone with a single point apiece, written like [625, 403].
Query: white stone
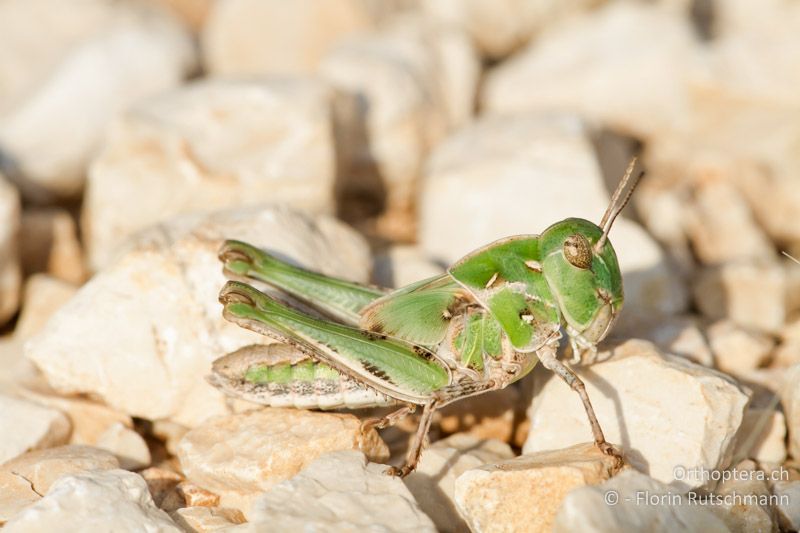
[10, 274]
[433, 482]
[752, 295]
[340, 491]
[44, 295]
[89, 419]
[491, 415]
[762, 436]
[95, 502]
[142, 334]
[26, 426]
[273, 37]
[721, 235]
[500, 27]
[503, 176]
[42, 468]
[205, 519]
[210, 145]
[753, 44]
[790, 399]
[524, 494]
[738, 350]
[622, 504]
[402, 265]
[250, 452]
[16, 493]
[668, 415]
[61, 92]
[743, 513]
[127, 445]
[399, 91]
[586, 65]
[788, 507]
[679, 335]
[49, 244]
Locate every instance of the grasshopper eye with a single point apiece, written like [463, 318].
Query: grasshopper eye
[578, 251]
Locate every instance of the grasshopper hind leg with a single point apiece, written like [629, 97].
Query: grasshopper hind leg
[548, 358]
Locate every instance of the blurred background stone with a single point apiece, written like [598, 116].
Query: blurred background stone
[209, 146]
[60, 92]
[10, 273]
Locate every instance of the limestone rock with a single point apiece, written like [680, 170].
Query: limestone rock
[503, 176]
[339, 492]
[744, 503]
[433, 482]
[61, 92]
[10, 275]
[402, 265]
[623, 503]
[94, 502]
[499, 28]
[89, 419]
[142, 334]
[790, 399]
[43, 468]
[193, 13]
[49, 244]
[738, 350]
[510, 175]
[641, 398]
[161, 483]
[16, 494]
[272, 37]
[762, 436]
[44, 295]
[679, 335]
[27, 426]
[584, 65]
[210, 145]
[205, 519]
[524, 494]
[126, 445]
[399, 90]
[251, 452]
[788, 508]
[749, 294]
[487, 416]
[720, 235]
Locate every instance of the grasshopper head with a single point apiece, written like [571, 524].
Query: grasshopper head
[581, 268]
[586, 282]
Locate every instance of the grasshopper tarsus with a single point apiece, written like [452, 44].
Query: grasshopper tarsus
[400, 472]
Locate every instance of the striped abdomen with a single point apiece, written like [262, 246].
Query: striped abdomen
[280, 376]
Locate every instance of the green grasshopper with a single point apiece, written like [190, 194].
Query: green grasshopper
[479, 327]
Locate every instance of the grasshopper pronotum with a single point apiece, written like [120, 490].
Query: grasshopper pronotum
[481, 326]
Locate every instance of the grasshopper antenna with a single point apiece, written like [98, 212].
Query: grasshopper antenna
[615, 207]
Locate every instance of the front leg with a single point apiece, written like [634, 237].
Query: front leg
[547, 356]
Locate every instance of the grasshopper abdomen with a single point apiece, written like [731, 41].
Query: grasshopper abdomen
[279, 376]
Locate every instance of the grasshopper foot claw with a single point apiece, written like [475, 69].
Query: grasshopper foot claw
[611, 451]
[401, 472]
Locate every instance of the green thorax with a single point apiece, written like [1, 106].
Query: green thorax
[506, 278]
